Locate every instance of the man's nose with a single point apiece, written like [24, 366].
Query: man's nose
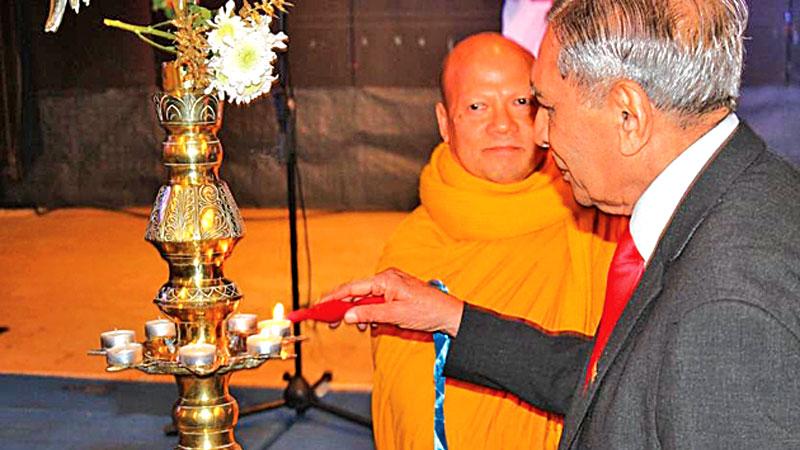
[541, 126]
[503, 121]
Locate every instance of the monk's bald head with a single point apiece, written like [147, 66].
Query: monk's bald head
[477, 51]
[486, 114]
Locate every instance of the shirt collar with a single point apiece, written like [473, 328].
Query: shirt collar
[654, 209]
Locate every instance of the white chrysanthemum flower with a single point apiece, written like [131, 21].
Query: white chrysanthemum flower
[243, 70]
[277, 41]
[226, 28]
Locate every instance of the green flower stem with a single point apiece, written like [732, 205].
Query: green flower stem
[155, 44]
[140, 29]
[161, 24]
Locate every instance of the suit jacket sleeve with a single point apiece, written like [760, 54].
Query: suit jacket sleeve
[729, 379]
[510, 355]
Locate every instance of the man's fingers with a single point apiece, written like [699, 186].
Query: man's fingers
[371, 314]
[334, 325]
[358, 288]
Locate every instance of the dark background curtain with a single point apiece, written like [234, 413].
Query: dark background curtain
[10, 93]
[365, 74]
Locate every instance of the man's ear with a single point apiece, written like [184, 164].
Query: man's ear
[633, 115]
[443, 121]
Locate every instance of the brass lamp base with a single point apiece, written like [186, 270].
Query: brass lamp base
[205, 413]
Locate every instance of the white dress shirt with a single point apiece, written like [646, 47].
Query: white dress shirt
[654, 209]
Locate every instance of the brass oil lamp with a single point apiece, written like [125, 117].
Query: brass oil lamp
[195, 225]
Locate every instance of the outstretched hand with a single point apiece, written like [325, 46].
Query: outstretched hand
[410, 303]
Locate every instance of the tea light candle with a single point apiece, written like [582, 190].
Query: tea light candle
[243, 323]
[114, 338]
[277, 326]
[128, 354]
[160, 328]
[264, 344]
[197, 355]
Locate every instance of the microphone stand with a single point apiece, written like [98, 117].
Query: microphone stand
[299, 394]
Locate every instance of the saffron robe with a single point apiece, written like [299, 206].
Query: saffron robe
[525, 250]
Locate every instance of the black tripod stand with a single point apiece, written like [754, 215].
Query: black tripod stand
[299, 394]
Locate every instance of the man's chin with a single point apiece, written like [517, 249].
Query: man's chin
[580, 196]
[584, 201]
[613, 209]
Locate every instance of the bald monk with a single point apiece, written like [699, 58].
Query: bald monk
[498, 226]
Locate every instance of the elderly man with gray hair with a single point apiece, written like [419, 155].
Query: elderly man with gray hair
[699, 343]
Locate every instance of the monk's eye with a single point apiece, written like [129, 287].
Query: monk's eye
[523, 101]
[477, 106]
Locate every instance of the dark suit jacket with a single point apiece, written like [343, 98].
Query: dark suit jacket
[707, 352]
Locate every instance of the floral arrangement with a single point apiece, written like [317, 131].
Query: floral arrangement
[230, 53]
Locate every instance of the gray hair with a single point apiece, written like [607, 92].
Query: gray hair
[686, 54]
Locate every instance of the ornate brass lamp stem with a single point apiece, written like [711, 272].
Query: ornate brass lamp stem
[195, 225]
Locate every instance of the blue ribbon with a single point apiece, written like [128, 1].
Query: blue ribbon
[441, 343]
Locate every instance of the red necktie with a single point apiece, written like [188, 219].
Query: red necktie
[624, 274]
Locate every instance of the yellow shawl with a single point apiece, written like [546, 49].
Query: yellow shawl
[524, 249]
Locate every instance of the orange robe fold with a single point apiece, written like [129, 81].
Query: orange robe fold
[524, 249]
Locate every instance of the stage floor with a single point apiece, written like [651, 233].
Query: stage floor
[48, 413]
[71, 274]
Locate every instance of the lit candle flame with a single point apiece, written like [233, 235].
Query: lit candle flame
[277, 311]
